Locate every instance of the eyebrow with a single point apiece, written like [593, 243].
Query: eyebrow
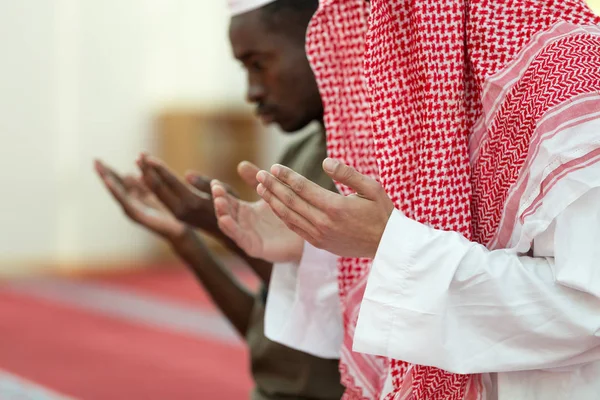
[246, 55]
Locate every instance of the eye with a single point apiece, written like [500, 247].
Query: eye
[256, 66]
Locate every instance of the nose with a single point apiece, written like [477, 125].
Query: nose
[255, 91]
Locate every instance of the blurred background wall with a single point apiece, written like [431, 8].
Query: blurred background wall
[81, 79]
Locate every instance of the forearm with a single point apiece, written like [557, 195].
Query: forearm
[449, 303]
[232, 298]
[260, 267]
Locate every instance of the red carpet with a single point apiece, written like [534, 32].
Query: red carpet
[90, 355]
[172, 282]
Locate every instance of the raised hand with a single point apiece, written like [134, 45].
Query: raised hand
[140, 204]
[253, 226]
[189, 202]
[350, 226]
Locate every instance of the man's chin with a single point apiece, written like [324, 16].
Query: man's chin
[286, 126]
[282, 127]
[289, 126]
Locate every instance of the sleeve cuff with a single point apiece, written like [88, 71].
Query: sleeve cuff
[303, 308]
[404, 290]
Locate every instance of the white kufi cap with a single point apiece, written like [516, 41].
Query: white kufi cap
[237, 7]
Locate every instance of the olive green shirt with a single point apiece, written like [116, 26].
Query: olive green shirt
[279, 371]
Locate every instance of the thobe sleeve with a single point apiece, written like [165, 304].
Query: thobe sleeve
[434, 298]
[303, 307]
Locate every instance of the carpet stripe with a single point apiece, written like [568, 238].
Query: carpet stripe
[13, 387]
[93, 356]
[135, 307]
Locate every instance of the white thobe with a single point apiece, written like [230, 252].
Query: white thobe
[530, 323]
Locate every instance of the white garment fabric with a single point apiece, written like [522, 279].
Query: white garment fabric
[476, 311]
[530, 323]
[237, 7]
[303, 306]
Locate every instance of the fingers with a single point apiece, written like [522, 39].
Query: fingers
[200, 182]
[122, 190]
[281, 197]
[99, 167]
[105, 171]
[221, 207]
[299, 223]
[346, 175]
[113, 181]
[223, 202]
[166, 175]
[225, 205]
[161, 190]
[309, 191]
[217, 189]
[135, 185]
[119, 193]
[247, 171]
[158, 186]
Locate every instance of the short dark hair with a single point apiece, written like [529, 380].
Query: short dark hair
[290, 15]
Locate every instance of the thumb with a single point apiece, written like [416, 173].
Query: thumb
[342, 173]
[247, 171]
[198, 181]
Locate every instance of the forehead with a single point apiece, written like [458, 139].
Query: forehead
[250, 33]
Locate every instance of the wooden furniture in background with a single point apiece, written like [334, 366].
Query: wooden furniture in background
[211, 143]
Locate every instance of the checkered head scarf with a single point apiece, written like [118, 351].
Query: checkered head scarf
[445, 103]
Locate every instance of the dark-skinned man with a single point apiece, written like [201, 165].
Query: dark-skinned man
[268, 38]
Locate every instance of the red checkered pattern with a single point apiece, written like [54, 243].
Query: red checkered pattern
[402, 84]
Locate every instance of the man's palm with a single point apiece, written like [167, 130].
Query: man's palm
[153, 214]
[140, 204]
[256, 229]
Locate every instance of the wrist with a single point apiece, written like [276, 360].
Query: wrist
[184, 241]
[229, 244]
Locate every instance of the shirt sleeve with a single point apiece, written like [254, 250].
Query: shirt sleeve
[303, 306]
[434, 298]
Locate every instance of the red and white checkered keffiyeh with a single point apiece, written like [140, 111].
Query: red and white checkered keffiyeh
[406, 85]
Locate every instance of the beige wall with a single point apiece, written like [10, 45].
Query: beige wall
[82, 79]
